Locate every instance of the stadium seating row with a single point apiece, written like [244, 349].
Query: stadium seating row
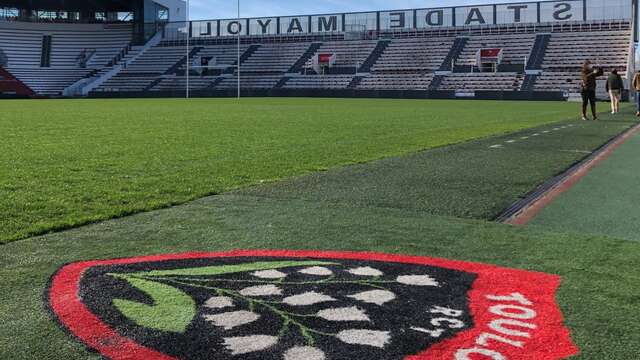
[403, 63]
[76, 50]
[414, 55]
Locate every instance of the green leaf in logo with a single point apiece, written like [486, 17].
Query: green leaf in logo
[172, 309]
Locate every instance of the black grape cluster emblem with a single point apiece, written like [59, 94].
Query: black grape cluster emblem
[263, 305]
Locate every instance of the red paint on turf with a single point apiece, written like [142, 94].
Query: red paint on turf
[529, 213]
[549, 341]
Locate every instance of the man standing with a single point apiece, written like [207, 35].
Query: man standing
[588, 89]
[615, 86]
[636, 86]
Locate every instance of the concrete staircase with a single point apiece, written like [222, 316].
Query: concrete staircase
[436, 82]
[355, 82]
[454, 53]
[282, 82]
[529, 82]
[84, 86]
[312, 50]
[374, 56]
[538, 52]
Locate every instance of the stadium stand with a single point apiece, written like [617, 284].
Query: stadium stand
[319, 82]
[396, 81]
[173, 83]
[413, 55]
[146, 68]
[516, 48]
[49, 81]
[567, 51]
[350, 55]
[482, 81]
[75, 51]
[223, 57]
[275, 58]
[405, 63]
[250, 82]
[533, 57]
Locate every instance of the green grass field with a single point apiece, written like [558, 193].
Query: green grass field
[65, 163]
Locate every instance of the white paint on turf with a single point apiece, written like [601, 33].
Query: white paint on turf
[343, 314]
[368, 271]
[304, 353]
[378, 297]
[233, 319]
[317, 270]
[248, 344]
[306, 299]
[263, 290]
[218, 302]
[418, 280]
[365, 337]
[270, 274]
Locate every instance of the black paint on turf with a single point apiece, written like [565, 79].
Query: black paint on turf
[203, 340]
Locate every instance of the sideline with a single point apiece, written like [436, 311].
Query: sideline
[524, 211]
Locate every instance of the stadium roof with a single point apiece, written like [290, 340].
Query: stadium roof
[79, 5]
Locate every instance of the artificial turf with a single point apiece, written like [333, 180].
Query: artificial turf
[605, 202]
[599, 292]
[64, 163]
[476, 179]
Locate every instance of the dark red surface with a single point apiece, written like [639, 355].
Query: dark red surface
[9, 83]
[490, 53]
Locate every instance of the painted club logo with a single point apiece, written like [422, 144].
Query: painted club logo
[291, 305]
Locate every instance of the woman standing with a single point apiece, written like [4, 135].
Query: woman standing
[615, 86]
[588, 89]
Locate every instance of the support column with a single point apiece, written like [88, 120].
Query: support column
[139, 36]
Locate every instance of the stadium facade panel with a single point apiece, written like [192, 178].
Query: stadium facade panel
[407, 19]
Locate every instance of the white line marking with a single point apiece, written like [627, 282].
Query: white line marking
[495, 146]
[546, 131]
[556, 129]
[577, 151]
[536, 134]
[510, 141]
[524, 137]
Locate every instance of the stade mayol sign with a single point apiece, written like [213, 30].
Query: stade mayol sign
[308, 305]
[511, 13]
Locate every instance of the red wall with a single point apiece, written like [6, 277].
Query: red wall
[9, 83]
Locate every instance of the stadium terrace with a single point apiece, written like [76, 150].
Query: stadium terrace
[528, 50]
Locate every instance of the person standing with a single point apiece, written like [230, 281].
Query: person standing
[636, 86]
[588, 89]
[615, 86]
